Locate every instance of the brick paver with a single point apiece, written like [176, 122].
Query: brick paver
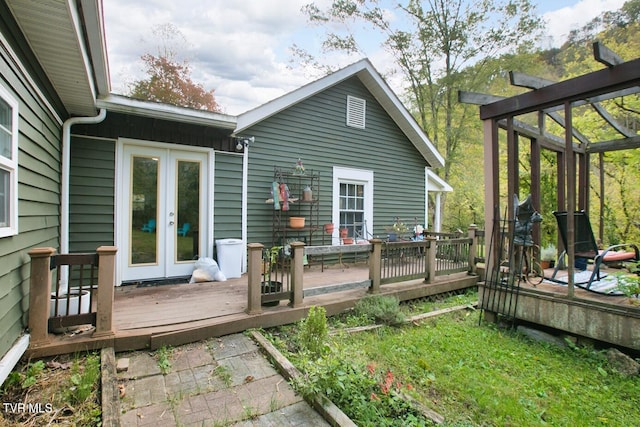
[223, 381]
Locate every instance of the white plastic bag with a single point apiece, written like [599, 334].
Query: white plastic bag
[206, 270]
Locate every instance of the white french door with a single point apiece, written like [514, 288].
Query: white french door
[163, 215]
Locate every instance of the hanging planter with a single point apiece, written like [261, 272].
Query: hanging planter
[344, 233]
[328, 228]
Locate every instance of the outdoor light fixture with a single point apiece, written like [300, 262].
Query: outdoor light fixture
[243, 142]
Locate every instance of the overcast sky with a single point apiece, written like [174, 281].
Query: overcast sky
[241, 48]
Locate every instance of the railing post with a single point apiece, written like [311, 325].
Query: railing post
[40, 295]
[297, 272]
[375, 265]
[254, 303]
[473, 249]
[430, 256]
[106, 289]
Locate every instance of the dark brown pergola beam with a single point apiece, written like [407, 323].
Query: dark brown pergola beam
[547, 140]
[531, 82]
[578, 88]
[615, 145]
[605, 55]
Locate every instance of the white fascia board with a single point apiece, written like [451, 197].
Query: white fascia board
[394, 107]
[94, 25]
[435, 183]
[264, 111]
[122, 104]
[365, 71]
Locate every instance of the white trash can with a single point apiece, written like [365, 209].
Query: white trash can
[230, 257]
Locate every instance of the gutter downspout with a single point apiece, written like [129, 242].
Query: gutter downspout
[245, 192]
[64, 191]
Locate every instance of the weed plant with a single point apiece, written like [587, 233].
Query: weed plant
[163, 357]
[380, 309]
[61, 391]
[473, 373]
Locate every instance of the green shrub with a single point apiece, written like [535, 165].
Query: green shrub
[369, 396]
[380, 309]
[313, 333]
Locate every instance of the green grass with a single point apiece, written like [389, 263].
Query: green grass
[478, 374]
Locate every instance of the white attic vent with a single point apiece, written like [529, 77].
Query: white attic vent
[356, 109]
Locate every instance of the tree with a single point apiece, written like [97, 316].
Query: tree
[169, 79]
[434, 44]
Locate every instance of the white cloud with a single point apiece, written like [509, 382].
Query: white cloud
[562, 21]
[241, 49]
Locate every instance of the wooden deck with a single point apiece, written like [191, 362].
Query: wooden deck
[150, 317]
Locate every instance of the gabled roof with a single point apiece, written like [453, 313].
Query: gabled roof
[67, 37]
[372, 80]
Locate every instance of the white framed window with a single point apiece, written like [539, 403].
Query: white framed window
[356, 112]
[353, 202]
[8, 164]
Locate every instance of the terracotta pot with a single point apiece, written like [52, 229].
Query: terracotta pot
[328, 228]
[296, 222]
[347, 241]
[343, 233]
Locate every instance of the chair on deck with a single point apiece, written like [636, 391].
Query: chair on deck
[184, 229]
[585, 247]
[150, 226]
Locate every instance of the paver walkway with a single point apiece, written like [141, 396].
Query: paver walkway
[224, 381]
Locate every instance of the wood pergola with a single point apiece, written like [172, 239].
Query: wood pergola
[573, 151]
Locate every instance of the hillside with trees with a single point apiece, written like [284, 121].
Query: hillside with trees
[447, 47]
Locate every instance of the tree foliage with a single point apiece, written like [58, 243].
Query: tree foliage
[168, 79]
[434, 44]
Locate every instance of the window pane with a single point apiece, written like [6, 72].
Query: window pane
[5, 129]
[144, 210]
[352, 209]
[188, 193]
[4, 198]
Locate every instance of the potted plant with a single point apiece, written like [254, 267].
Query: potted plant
[396, 231]
[269, 261]
[629, 285]
[328, 228]
[548, 256]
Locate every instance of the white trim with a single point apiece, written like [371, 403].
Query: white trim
[435, 183]
[156, 110]
[12, 357]
[351, 176]
[367, 74]
[120, 209]
[10, 165]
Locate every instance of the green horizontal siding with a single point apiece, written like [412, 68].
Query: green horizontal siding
[91, 194]
[315, 130]
[38, 181]
[227, 196]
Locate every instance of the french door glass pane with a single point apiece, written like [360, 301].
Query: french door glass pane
[144, 210]
[188, 210]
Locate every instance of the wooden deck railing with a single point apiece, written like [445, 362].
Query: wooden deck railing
[389, 262]
[87, 300]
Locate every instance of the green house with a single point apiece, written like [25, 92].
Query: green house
[81, 167]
